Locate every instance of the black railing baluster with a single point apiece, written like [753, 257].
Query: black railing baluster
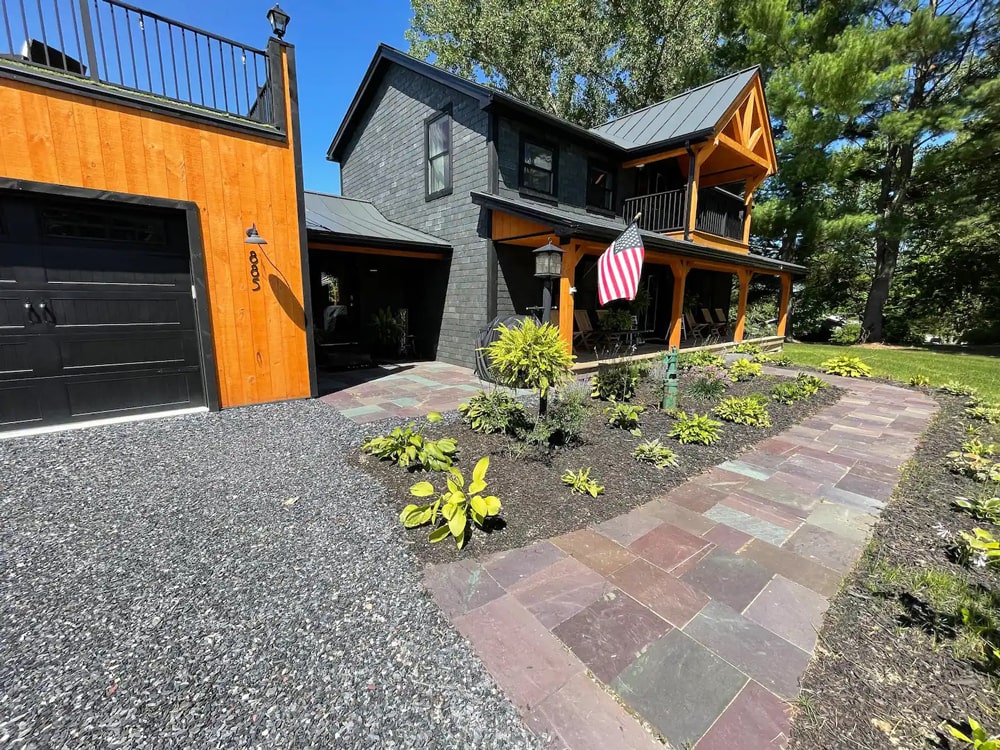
[173, 63]
[131, 49]
[246, 81]
[159, 55]
[79, 47]
[45, 39]
[222, 73]
[6, 25]
[236, 85]
[59, 33]
[114, 35]
[201, 77]
[145, 52]
[211, 71]
[187, 68]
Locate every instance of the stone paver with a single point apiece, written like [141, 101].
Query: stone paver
[406, 389]
[699, 610]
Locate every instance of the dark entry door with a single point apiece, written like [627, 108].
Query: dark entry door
[97, 318]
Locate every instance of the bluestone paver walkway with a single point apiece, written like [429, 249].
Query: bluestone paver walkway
[700, 609]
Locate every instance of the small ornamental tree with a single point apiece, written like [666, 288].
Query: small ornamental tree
[530, 355]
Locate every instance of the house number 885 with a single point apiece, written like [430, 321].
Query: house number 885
[254, 271]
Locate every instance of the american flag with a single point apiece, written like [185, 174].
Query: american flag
[620, 266]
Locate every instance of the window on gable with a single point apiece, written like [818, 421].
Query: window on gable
[439, 155]
[538, 168]
[600, 188]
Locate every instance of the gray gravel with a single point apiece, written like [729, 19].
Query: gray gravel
[159, 588]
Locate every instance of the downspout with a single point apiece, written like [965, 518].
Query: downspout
[687, 194]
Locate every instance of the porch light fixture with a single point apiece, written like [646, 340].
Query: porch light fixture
[548, 261]
[279, 21]
[253, 237]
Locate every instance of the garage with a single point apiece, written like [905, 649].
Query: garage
[97, 316]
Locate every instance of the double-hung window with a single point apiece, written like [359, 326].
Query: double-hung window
[538, 167]
[600, 188]
[438, 149]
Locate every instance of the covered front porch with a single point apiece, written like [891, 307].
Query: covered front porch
[685, 291]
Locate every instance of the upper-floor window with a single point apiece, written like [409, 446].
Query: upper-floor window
[538, 167]
[600, 188]
[438, 148]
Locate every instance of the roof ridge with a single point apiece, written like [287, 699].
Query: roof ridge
[341, 197]
[677, 96]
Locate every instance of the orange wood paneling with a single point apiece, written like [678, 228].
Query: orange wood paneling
[507, 226]
[236, 179]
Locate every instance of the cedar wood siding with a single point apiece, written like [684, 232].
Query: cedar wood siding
[384, 162]
[235, 178]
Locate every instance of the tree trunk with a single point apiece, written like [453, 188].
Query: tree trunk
[886, 253]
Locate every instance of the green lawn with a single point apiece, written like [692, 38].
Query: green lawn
[981, 372]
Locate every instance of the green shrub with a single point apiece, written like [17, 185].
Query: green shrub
[454, 506]
[749, 411]
[493, 411]
[687, 360]
[625, 417]
[846, 366]
[709, 387]
[811, 383]
[790, 392]
[617, 381]
[530, 355]
[954, 388]
[699, 429]
[977, 736]
[565, 419]
[580, 483]
[654, 452]
[849, 333]
[778, 360]
[407, 447]
[981, 508]
[617, 319]
[919, 381]
[747, 348]
[744, 369]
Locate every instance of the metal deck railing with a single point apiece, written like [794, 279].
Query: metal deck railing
[117, 44]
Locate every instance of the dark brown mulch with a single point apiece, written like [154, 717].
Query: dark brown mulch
[885, 674]
[536, 505]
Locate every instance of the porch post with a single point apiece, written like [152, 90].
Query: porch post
[744, 275]
[570, 259]
[747, 215]
[680, 270]
[786, 295]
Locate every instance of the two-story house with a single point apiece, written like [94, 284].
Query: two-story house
[483, 178]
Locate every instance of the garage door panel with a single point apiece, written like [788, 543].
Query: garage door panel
[93, 398]
[121, 266]
[12, 312]
[103, 351]
[107, 309]
[20, 406]
[18, 357]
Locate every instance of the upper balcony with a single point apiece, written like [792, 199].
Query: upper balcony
[114, 46]
[718, 213]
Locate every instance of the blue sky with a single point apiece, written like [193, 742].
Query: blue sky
[334, 42]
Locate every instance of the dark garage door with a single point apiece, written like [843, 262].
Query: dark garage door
[96, 313]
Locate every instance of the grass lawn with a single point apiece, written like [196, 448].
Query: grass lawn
[980, 372]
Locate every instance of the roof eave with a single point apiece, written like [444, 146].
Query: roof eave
[353, 240]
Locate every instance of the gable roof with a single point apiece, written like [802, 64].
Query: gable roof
[358, 222]
[682, 117]
[687, 116]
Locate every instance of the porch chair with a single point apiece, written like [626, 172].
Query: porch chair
[584, 333]
[694, 329]
[723, 319]
[715, 328]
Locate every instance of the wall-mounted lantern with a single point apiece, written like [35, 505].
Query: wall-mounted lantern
[253, 237]
[548, 261]
[279, 21]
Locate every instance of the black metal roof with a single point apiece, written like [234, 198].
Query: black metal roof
[686, 116]
[357, 222]
[568, 223]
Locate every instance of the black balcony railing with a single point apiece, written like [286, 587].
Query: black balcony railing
[111, 42]
[719, 212]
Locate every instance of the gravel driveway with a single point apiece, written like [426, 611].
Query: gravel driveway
[159, 588]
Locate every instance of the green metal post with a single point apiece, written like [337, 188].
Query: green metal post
[670, 368]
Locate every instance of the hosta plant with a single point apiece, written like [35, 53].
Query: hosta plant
[980, 548]
[988, 412]
[408, 447]
[750, 411]
[976, 738]
[699, 429]
[954, 388]
[493, 411]
[687, 360]
[981, 508]
[790, 392]
[811, 383]
[979, 467]
[744, 369]
[846, 366]
[919, 381]
[654, 452]
[747, 348]
[778, 360]
[580, 483]
[451, 510]
[625, 417]
[977, 447]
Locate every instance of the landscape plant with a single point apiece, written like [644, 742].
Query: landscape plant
[495, 411]
[955, 388]
[654, 452]
[747, 348]
[980, 548]
[749, 410]
[984, 410]
[982, 508]
[811, 383]
[625, 417]
[743, 369]
[564, 421]
[698, 429]
[687, 360]
[846, 366]
[530, 355]
[408, 447]
[580, 483]
[919, 381]
[617, 381]
[790, 392]
[976, 737]
[708, 382]
[453, 507]
[849, 333]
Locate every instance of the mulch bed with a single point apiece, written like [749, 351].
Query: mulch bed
[536, 505]
[885, 675]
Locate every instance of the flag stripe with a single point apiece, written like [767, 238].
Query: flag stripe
[619, 269]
